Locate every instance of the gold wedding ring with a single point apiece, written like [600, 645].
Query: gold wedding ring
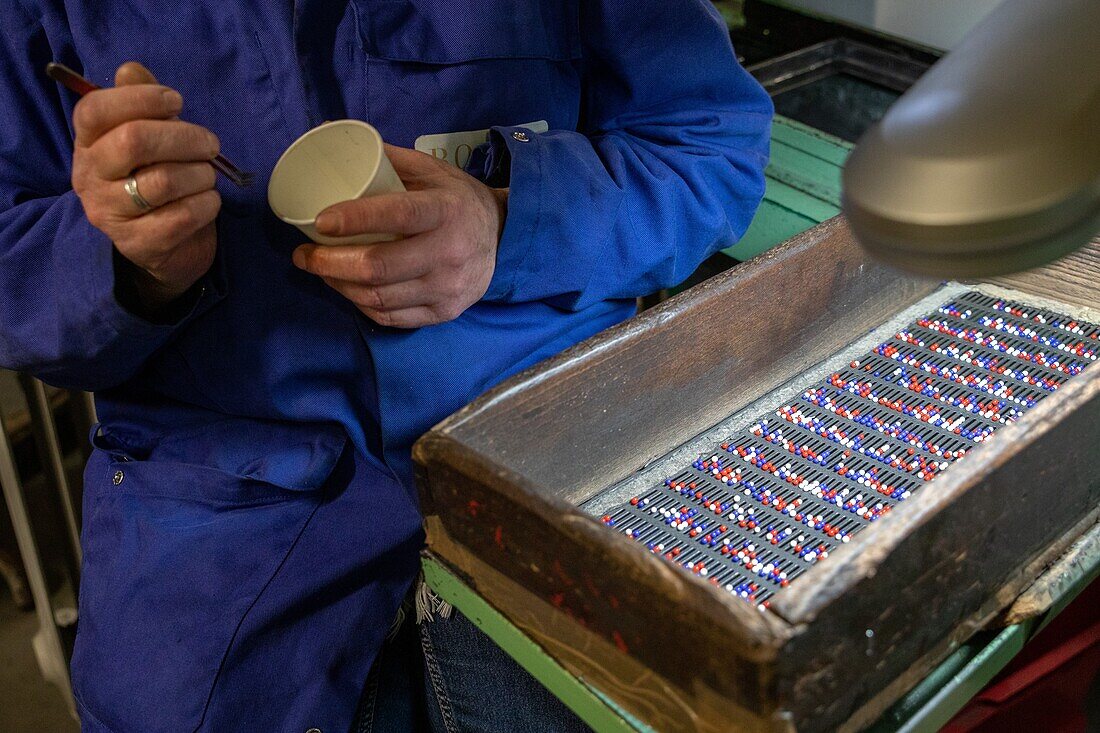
[139, 200]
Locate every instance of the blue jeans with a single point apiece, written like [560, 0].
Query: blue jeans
[446, 676]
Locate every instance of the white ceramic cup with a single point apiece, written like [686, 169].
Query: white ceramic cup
[334, 162]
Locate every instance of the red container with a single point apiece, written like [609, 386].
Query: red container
[1052, 686]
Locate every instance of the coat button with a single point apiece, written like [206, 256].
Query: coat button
[314, 730]
[521, 136]
[119, 475]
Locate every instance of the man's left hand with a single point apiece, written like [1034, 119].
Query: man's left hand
[451, 224]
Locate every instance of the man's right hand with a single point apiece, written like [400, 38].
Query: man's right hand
[132, 130]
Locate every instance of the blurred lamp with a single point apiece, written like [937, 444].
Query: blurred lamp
[990, 163]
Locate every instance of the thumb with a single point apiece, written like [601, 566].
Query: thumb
[132, 72]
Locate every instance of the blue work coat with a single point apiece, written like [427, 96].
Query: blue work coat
[250, 523]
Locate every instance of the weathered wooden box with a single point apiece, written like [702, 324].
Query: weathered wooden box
[502, 480]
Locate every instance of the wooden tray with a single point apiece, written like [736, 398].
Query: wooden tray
[501, 482]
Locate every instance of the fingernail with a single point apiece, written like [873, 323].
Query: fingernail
[298, 257]
[329, 222]
[173, 100]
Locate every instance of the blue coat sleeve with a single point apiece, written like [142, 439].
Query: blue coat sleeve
[667, 169]
[59, 317]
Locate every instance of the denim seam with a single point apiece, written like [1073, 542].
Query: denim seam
[435, 676]
[369, 708]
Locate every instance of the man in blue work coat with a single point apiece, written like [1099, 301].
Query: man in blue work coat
[250, 521]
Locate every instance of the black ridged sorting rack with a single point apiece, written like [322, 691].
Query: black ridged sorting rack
[778, 496]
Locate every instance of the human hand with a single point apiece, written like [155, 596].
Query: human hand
[131, 129]
[451, 224]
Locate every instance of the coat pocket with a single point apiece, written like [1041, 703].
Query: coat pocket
[468, 30]
[179, 542]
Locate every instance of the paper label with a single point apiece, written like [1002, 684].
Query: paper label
[456, 147]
